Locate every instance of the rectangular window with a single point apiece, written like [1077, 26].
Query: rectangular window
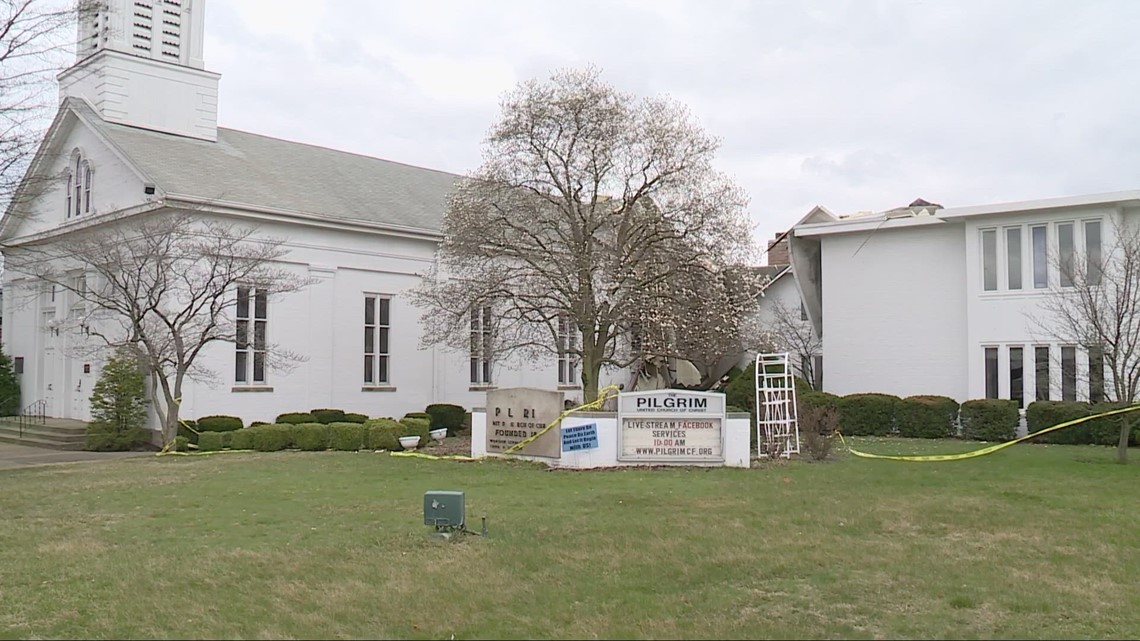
[1017, 375]
[989, 260]
[1040, 237]
[481, 345]
[1096, 373]
[991, 372]
[250, 335]
[1065, 253]
[1041, 369]
[1093, 265]
[377, 325]
[567, 351]
[1013, 256]
[1068, 373]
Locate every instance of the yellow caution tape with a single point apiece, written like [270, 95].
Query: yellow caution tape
[597, 403]
[166, 452]
[985, 450]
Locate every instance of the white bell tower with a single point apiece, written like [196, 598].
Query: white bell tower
[139, 63]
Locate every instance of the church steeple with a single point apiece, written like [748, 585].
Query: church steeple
[139, 63]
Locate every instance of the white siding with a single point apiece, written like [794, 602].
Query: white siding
[894, 312]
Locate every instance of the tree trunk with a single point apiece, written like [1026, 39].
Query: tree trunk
[591, 372]
[1122, 444]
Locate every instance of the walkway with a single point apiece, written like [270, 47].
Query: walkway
[18, 456]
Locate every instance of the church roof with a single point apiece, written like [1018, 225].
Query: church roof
[261, 172]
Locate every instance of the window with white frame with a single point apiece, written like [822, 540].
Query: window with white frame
[1041, 372]
[1093, 259]
[1096, 373]
[991, 358]
[1013, 257]
[481, 348]
[989, 260]
[1068, 373]
[567, 351]
[377, 325]
[252, 317]
[1039, 235]
[1066, 250]
[80, 177]
[1017, 375]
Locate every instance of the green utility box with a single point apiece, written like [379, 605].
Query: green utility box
[443, 508]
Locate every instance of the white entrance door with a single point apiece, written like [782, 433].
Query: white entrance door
[49, 368]
[80, 391]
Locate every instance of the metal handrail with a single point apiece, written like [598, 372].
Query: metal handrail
[32, 414]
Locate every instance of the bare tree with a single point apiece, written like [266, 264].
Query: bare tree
[791, 333]
[586, 197]
[1098, 307]
[166, 287]
[36, 38]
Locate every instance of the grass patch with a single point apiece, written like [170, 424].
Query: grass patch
[1031, 542]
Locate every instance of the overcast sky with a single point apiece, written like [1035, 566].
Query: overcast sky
[853, 105]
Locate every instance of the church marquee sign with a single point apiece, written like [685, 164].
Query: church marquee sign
[671, 426]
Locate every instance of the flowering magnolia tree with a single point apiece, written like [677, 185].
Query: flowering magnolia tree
[591, 208]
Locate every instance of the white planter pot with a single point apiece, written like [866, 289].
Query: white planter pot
[409, 442]
[439, 434]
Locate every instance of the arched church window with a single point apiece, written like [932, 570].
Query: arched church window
[87, 187]
[70, 181]
[78, 183]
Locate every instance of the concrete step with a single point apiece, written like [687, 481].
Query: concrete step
[54, 426]
[31, 441]
[43, 433]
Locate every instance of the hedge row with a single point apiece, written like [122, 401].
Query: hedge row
[1102, 431]
[373, 434]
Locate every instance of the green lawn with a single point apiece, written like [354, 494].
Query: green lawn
[1032, 542]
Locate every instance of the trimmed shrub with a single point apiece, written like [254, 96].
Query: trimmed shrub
[346, 437]
[351, 417]
[741, 389]
[868, 414]
[211, 442]
[243, 439]
[444, 415]
[382, 434]
[220, 424]
[817, 430]
[327, 416]
[1042, 414]
[1106, 430]
[118, 406]
[311, 437]
[189, 429]
[417, 427]
[227, 439]
[926, 417]
[181, 444]
[272, 438]
[296, 418]
[256, 423]
[989, 419]
[816, 399]
[423, 415]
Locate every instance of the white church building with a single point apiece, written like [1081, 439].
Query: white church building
[136, 134]
[931, 300]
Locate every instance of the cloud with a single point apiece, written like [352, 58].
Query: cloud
[851, 104]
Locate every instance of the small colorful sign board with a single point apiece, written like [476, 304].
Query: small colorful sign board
[580, 437]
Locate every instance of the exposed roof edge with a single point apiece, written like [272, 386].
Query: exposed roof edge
[851, 225]
[1106, 198]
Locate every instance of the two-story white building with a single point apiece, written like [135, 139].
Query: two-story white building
[928, 300]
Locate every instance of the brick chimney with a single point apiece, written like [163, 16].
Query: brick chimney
[778, 250]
